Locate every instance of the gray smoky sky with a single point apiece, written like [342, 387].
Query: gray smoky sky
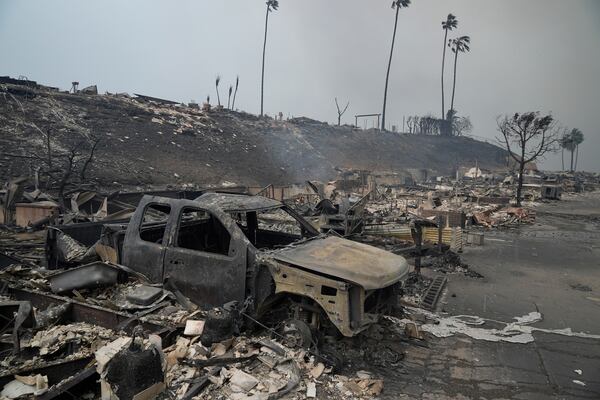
[526, 55]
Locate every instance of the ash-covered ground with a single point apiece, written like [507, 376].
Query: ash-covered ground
[146, 143]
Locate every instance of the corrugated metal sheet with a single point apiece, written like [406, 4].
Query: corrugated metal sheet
[450, 236]
[453, 237]
[453, 218]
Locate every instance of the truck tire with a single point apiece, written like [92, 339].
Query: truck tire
[297, 334]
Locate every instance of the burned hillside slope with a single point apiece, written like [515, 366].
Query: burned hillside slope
[151, 143]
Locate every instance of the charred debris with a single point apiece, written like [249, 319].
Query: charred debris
[274, 292]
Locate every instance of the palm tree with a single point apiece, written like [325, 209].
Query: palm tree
[237, 83]
[450, 23]
[571, 141]
[576, 140]
[562, 153]
[229, 98]
[272, 5]
[566, 142]
[397, 4]
[217, 81]
[458, 45]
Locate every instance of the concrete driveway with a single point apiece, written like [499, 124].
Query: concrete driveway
[552, 267]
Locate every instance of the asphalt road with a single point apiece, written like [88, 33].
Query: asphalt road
[552, 267]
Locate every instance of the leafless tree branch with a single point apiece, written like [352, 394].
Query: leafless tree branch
[340, 112]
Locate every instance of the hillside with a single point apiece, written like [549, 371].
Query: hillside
[149, 143]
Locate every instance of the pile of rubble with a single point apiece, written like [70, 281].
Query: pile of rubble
[77, 315]
[86, 318]
[449, 263]
[190, 353]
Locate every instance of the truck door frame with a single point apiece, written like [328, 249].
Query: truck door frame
[142, 255]
[219, 278]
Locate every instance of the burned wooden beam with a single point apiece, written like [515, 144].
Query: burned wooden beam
[82, 312]
[56, 371]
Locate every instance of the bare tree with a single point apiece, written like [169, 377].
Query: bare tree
[217, 81]
[58, 167]
[413, 123]
[531, 135]
[89, 159]
[461, 126]
[429, 125]
[237, 83]
[49, 147]
[68, 167]
[409, 124]
[340, 112]
[229, 98]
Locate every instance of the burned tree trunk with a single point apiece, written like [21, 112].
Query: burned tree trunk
[340, 112]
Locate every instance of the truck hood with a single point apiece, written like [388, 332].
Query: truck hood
[350, 261]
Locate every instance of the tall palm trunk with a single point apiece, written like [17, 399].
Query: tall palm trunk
[454, 82]
[576, 157]
[387, 76]
[572, 152]
[562, 157]
[262, 82]
[443, 65]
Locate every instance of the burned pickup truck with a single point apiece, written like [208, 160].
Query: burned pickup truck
[259, 252]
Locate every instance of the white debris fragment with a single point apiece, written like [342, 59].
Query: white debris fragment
[512, 332]
[15, 389]
[529, 318]
[25, 385]
[311, 390]
[363, 374]
[578, 371]
[578, 382]
[317, 371]
[242, 380]
[193, 327]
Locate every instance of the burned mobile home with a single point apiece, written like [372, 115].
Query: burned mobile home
[259, 252]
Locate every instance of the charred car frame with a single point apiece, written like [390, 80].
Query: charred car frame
[259, 252]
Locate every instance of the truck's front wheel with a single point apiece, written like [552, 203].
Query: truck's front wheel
[297, 334]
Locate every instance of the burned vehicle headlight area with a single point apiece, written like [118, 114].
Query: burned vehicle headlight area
[258, 252]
